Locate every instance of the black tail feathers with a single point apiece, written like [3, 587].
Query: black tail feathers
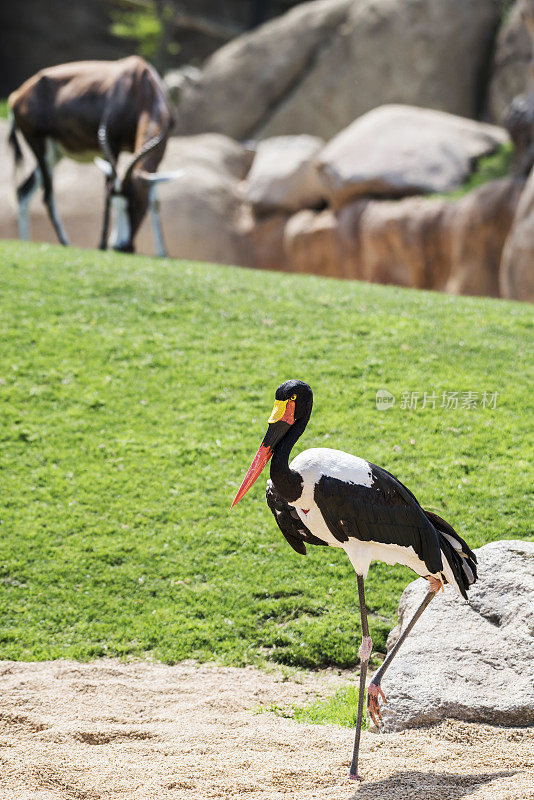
[462, 560]
[14, 144]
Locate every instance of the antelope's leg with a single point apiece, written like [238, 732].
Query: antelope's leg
[25, 193]
[156, 223]
[105, 223]
[365, 653]
[47, 157]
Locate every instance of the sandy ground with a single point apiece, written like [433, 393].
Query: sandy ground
[112, 730]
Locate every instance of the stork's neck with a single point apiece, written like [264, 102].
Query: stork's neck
[286, 481]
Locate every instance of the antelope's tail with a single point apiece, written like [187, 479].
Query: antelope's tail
[459, 561]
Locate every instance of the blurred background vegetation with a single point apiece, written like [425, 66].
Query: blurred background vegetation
[167, 32]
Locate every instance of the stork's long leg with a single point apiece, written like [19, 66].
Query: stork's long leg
[365, 653]
[374, 689]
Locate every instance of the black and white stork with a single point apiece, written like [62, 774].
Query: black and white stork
[329, 497]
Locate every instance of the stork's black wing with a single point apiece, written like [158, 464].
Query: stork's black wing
[289, 522]
[385, 512]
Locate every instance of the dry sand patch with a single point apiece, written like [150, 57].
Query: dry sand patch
[109, 731]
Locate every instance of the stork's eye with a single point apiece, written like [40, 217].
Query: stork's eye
[293, 397]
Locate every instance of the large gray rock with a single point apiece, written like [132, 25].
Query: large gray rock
[248, 76]
[313, 244]
[405, 242]
[212, 150]
[478, 226]
[517, 263]
[284, 174]
[510, 63]
[394, 151]
[323, 64]
[473, 660]
[519, 117]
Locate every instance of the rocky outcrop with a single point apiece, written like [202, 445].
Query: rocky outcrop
[428, 243]
[200, 215]
[394, 151]
[325, 63]
[478, 227]
[517, 264]
[472, 660]
[519, 117]
[510, 61]
[312, 243]
[405, 243]
[264, 236]
[248, 76]
[284, 175]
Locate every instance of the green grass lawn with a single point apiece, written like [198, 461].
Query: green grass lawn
[341, 708]
[134, 393]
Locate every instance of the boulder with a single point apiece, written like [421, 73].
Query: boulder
[405, 243]
[519, 117]
[200, 216]
[479, 224]
[312, 244]
[246, 77]
[516, 276]
[325, 63]
[510, 64]
[284, 176]
[519, 122]
[264, 236]
[394, 151]
[425, 243]
[212, 150]
[472, 660]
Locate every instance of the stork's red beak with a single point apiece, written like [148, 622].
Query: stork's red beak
[254, 471]
[281, 419]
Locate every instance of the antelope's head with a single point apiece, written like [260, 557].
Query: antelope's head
[130, 194]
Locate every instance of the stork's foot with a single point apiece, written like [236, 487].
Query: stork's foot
[374, 692]
[356, 777]
[435, 584]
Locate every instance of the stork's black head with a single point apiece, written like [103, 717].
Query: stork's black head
[293, 403]
[293, 399]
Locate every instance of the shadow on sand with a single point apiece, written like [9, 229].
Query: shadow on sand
[425, 785]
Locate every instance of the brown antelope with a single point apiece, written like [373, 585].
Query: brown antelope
[89, 107]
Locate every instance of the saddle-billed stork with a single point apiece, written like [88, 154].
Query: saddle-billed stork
[328, 497]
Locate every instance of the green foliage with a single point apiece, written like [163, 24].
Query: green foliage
[3, 109]
[505, 9]
[339, 709]
[489, 168]
[134, 393]
[140, 24]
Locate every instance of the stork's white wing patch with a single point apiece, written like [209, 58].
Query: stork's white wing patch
[318, 461]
